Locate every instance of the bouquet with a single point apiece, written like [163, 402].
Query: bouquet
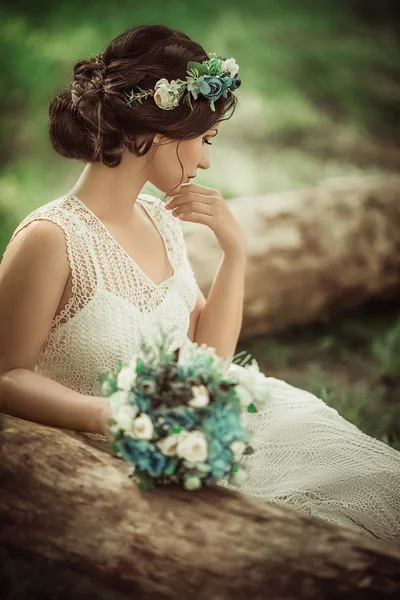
[179, 418]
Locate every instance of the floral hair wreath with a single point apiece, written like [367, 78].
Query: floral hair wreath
[211, 78]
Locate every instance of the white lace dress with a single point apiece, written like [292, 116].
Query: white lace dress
[306, 455]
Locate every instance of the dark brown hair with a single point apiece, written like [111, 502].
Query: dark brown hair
[91, 121]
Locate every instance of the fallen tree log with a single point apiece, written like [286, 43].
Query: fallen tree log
[73, 525]
[312, 253]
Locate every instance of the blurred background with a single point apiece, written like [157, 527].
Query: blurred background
[320, 97]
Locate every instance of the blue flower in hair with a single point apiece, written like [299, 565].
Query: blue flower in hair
[212, 87]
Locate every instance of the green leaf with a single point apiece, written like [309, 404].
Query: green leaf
[114, 447]
[145, 482]
[201, 69]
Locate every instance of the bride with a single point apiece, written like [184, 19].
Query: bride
[88, 276]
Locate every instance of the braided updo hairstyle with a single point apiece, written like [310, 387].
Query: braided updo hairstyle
[91, 120]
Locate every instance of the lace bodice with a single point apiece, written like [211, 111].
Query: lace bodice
[114, 305]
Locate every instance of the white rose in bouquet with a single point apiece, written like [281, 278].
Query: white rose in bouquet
[192, 446]
[239, 476]
[238, 448]
[126, 379]
[143, 427]
[117, 399]
[169, 445]
[245, 397]
[201, 397]
[192, 482]
[253, 380]
[123, 418]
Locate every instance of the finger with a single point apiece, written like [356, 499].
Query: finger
[196, 207]
[191, 197]
[197, 218]
[200, 189]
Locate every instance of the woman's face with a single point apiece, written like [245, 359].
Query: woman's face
[165, 170]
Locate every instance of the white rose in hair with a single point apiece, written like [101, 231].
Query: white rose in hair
[200, 398]
[169, 445]
[193, 446]
[165, 95]
[143, 427]
[126, 379]
[230, 66]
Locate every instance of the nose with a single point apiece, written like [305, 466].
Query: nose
[205, 162]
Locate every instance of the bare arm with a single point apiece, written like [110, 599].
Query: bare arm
[220, 319]
[29, 395]
[33, 275]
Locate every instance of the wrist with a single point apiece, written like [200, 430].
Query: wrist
[236, 255]
[101, 409]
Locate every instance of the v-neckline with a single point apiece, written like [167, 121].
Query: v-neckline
[170, 260]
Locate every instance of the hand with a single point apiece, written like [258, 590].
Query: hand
[204, 205]
[104, 418]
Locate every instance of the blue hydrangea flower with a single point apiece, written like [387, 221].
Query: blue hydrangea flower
[224, 423]
[145, 456]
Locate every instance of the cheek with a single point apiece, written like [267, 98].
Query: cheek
[191, 153]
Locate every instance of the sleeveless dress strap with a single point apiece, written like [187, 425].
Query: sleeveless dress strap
[84, 275]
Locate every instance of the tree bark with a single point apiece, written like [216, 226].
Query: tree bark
[73, 525]
[312, 253]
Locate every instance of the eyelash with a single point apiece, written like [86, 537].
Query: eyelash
[207, 142]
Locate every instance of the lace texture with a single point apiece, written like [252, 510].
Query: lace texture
[114, 306]
[309, 458]
[306, 455]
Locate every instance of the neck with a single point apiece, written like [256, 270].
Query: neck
[111, 193]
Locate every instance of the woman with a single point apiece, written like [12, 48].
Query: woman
[88, 276]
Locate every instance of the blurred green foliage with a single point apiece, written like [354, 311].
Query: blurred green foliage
[320, 93]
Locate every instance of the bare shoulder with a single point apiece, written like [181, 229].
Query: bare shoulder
[37, 252]
[33, 274]
[36, 238]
